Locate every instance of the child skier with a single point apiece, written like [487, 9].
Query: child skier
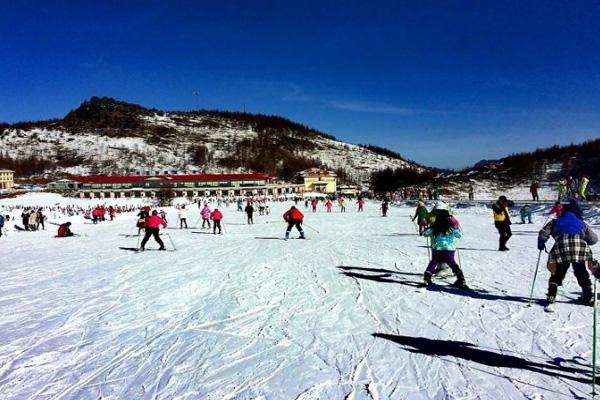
[216, 217]
[293, 217]
[384, 208]
[443, 236]
[572, 241]
[182, 213]
[421, 214]
[329, 206]
[205, 214]
[526, 213]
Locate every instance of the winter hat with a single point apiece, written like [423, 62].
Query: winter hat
[440, 205]
[154, 212]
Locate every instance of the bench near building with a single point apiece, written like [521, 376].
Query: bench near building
[113, 186]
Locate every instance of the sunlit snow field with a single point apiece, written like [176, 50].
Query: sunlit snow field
[245, 315]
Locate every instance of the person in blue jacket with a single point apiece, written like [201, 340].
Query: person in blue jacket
[572, 241]
[526, 212]
[1, 224]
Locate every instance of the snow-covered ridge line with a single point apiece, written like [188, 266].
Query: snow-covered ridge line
[109, 153]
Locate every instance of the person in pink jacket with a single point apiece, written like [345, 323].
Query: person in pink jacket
[152, 226]
[328, 206]
[205, 213]
[361, 204]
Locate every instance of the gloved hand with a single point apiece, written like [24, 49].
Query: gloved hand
[541, 245]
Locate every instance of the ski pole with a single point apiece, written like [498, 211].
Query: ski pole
[537, 265]
[428, 248]
[172, 243]
[310, 227]
[594, 345]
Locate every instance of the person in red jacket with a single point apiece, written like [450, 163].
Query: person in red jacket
[216, 216]
[64, 230]
[557, 209]
[293, 217]
[152, 227]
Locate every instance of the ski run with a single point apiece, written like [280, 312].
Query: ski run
[238, 316]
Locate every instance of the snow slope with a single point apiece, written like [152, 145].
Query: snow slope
[111, 155]
[248, 316]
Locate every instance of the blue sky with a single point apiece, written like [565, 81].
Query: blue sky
[445, 83]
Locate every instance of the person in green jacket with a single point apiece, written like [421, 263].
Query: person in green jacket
[583, 183]
[421, 214]
[562, 189]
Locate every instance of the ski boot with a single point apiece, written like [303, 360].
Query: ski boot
[427, 278]
[587, 299]
[302, 236]
[460, 281]
[287, 235]
[549, 307]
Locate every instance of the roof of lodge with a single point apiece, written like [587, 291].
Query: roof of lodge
[141, 178]
[6, 170]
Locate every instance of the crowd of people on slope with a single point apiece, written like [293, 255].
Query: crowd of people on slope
[573, 237]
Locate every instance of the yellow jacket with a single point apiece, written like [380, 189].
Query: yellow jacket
[500, 213]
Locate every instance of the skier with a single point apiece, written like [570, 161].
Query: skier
[361, 204]
[216, 216]
[33, 221]
[572, 241]
[152, 227]
[40, 219]
[526, 213]
[293, 217]
[421, 214]
[249, 212]
[443, 247]
[502, 221]
[142, 216]
[557, 209]
[182, 213]
[583, 187]
[384, 208]
[240, 203]
[562, 189]
[342, 203]
[163, 215]
[25, 219]
[328, 206]
[205, 213]
[1, 224]
[471, 192]
[314, 203]
[534, 190]
[64, 230]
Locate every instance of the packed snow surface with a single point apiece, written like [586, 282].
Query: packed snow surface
[245, 315]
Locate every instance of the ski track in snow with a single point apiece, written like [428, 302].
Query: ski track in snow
[234, 317]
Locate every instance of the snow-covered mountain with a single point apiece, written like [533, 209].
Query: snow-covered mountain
[108, 136]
